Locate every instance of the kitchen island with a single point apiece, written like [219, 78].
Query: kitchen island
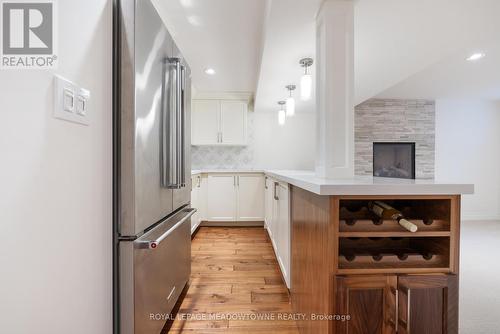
[346, 263]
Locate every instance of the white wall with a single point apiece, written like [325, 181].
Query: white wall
[270, 146]
[291, 146]
[55, 179]
[468, 150]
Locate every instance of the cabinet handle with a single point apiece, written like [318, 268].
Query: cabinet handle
[199, 181]
[238, 180]
[234, 180]
[394, 321]
[406, 323]
[275, 192]
[265, 182]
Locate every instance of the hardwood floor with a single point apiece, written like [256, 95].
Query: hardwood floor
[236, 285]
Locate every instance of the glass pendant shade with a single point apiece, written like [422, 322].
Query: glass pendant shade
[290, 106]
[281, 117]
[306, 87]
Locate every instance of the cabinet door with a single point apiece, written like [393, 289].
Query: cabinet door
[268, 202]
[205, 122]
[221, 197]
[369, 300]
[275, 215]
[283, 237]
[233, 122]
[195, 202]
[428, 304]
[250, 197]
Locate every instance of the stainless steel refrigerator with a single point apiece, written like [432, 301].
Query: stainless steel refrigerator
[152, 166]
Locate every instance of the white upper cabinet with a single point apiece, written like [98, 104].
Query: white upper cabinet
[205, 122]
[250, 199]
[219, 122]
[233, 116]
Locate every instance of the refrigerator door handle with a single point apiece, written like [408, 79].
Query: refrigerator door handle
[146, 243]
[178, 120]
[169, 170]
[182, 143]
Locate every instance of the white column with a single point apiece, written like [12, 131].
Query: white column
[334, 89]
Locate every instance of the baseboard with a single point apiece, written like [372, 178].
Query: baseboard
[475, 217]
[233, 224]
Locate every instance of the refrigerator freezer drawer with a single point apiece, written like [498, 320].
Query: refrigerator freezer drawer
[161, 268]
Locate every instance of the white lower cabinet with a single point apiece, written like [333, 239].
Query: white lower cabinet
[246, 197]
[249, 197]
[268, 200]
[283, 237]
[235, 197]
[221, 199]
[196, 201]
[278, 223]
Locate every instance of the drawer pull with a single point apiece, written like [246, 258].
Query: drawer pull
[171, 293]
[153, 244]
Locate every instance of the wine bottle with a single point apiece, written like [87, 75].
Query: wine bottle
[386, 211]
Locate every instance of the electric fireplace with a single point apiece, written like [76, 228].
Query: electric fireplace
[395, 160]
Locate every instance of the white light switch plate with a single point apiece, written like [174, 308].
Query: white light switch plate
[70, 101]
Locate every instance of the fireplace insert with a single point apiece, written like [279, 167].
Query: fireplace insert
[395, 160]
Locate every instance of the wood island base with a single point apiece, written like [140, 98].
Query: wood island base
[347, 263]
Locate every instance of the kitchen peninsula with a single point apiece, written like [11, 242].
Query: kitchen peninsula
[346, 261]
[337, 257]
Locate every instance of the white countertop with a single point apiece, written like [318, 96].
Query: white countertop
[367, 185]
[359, 185]
[201, 171]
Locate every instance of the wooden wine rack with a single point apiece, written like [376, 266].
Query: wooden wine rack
[368, 244]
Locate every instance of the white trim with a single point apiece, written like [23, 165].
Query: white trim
[466, 216]
[245, 96]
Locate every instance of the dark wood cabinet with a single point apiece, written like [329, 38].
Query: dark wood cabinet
[417, 304]
[428, 304]
[370, 301]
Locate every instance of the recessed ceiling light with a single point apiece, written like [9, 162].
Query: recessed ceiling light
[187, 3]
[194, 20]
[210, 71]
[476, 56]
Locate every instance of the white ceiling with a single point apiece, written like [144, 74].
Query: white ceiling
[289, 37]
[222, 34]
[454, 77]
[418, 48]
[403, 48]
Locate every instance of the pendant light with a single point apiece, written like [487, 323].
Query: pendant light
[306, 82]
[290, 102]
[281, 113]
